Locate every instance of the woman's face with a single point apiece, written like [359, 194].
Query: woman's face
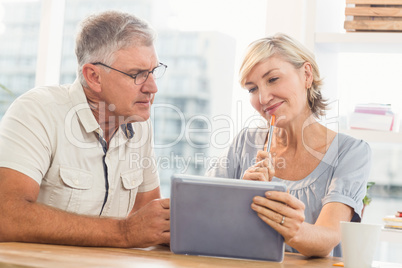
[277, 88]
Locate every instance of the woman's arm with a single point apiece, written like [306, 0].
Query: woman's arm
[285, 213]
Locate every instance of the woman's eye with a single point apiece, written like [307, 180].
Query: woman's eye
[273, 79]
[251, 90]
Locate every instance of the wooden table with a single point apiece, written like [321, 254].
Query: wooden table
[22, 255]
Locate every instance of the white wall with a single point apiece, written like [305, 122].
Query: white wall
[292, 17]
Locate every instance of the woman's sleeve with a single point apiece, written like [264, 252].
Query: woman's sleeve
[228, 164]
[349, 181]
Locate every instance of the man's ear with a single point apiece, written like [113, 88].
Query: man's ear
[92, 76]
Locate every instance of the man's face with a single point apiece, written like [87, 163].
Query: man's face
[123, 98]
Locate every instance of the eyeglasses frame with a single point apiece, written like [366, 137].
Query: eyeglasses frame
[133, 76]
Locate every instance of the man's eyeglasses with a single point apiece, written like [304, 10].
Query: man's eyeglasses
[141, 77]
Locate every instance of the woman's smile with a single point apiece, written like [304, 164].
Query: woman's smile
[272, 109]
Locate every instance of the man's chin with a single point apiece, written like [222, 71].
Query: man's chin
[137, 118]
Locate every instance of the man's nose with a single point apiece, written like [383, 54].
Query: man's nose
[150, 85]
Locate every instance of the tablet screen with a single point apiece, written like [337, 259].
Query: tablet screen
[213, 217]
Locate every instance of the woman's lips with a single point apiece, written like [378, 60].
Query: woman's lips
[271, 109]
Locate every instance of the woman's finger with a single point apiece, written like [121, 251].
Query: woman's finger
[254, 176]
[271, 172]
[274, 206]
[285, 198]
[261, 155]
[262, 163]
[263, 171]
[265, 160]
[268, 213]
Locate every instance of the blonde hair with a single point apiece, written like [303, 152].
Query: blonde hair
[291, 51]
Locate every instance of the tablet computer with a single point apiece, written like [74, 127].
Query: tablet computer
[213, 217]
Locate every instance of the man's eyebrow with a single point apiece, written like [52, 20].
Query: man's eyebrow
[138, 70]
[135, 70]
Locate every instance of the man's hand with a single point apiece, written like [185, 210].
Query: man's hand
[150, 225]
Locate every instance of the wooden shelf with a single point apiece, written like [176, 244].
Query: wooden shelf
[363, 42]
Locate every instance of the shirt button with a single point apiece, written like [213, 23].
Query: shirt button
[133, 182]
[77, 182]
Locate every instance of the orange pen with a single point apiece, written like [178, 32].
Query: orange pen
[271, 130]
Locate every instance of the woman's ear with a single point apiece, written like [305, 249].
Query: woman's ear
[92, 76]
[308, 72]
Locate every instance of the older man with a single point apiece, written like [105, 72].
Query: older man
[76, 161]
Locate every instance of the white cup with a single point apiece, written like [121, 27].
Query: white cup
[359, 242]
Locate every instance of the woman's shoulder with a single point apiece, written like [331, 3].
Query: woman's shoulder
[348, 153]
[347, 143]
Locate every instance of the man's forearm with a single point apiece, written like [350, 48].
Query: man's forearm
[23, 219]
[34, 222]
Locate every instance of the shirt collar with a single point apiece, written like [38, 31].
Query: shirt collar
[128, 130]
[81, 107]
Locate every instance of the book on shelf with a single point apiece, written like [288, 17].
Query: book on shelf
[374, 116]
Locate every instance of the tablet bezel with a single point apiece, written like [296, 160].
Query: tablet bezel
[223, 202]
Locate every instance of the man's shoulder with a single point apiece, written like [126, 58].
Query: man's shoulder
[55, 94]
[41, 103]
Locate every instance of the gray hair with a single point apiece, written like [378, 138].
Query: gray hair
[291, 51]
[103, 34]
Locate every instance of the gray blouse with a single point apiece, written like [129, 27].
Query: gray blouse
[341, 176]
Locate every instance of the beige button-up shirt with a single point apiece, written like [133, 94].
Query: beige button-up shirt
[51, 135]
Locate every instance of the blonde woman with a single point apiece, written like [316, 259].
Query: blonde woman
[326, 172]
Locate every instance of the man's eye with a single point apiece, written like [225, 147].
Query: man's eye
[273, 79]
[142, 74]
[139, 74]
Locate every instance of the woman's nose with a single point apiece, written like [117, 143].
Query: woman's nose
[265, 96]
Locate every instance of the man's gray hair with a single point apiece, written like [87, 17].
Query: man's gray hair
[103, 34]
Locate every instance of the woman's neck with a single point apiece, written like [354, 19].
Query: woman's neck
[306, 134]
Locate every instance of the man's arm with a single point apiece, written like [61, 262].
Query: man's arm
[24, 220]
[144, 198]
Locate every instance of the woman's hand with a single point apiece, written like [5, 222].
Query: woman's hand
[282, 211]
[263, 170]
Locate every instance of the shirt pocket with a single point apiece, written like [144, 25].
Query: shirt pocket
[77, 185]
[131, 180]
